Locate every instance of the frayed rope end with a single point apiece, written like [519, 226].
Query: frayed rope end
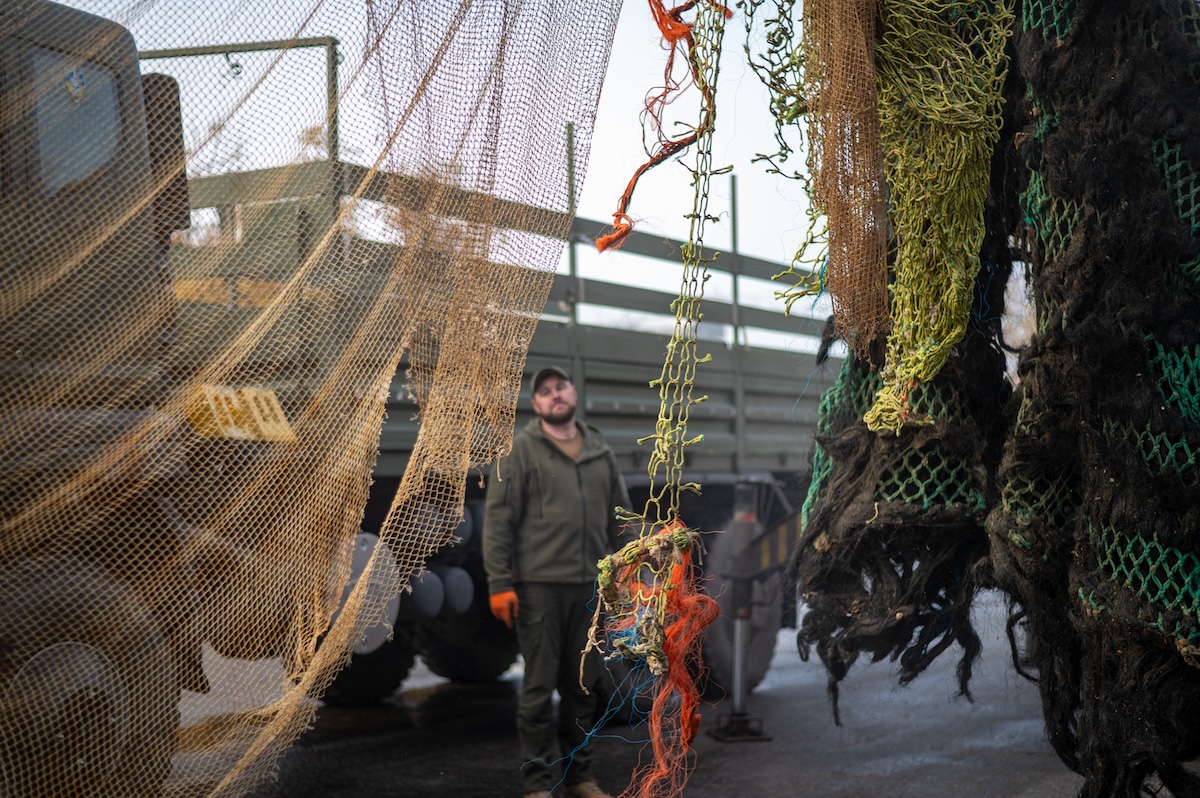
[622, 227]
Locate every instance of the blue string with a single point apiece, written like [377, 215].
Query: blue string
[982, 313]
[638, 679]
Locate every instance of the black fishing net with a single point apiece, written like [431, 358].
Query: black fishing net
[894, 546]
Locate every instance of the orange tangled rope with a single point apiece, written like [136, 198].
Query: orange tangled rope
[657, 613]
[676, 33]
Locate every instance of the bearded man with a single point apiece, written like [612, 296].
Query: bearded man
[549, 518]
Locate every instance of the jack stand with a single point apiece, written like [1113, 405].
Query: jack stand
[737, 726]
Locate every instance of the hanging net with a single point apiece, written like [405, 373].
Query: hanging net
[903, 102]
[1078, 495]
[212, 261]
[845, 162]
[893, 526]
[652, 610]
[1095, 533]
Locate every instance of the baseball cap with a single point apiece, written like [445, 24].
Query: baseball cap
[548, 371]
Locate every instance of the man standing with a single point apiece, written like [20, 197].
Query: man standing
[549, 519]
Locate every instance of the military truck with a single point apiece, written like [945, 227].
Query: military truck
[92, 660]
[757, 423]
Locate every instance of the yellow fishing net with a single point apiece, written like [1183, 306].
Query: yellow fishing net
[213, 259]
[937, 136]
[913, 85]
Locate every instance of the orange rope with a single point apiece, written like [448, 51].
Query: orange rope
[673, 730]
[675, 32]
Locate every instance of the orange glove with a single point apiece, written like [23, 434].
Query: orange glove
[504, 606]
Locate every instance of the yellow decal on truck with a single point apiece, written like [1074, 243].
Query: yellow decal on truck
[218, 411]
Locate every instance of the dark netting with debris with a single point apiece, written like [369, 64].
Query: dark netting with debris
[894, 538]
[1092, 512]
[1096, 534]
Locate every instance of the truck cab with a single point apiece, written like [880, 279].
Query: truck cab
[95, 595]
[86, 308]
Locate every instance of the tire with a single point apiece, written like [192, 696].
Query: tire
[474, 647]
[766, 616]
[471, 648]
[369, 679]
[90, 698]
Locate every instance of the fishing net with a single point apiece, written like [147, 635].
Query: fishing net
[1096, 532]
[1085, 481]
[893, 545]
[937, 137]
[652, 609]
[845, 162]
[899, 165]
[211, 265]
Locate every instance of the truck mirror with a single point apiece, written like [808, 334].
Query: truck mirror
[164, 124]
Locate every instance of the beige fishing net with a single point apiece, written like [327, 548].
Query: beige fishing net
[846, 163]
[198, 333]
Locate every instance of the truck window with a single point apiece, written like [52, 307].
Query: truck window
[78, 116]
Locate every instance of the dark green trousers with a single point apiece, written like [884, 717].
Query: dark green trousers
[552, 627]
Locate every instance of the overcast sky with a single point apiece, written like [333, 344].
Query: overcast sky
[771, 218]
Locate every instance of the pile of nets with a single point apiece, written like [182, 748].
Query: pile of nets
[200, 325]
[1077, 496]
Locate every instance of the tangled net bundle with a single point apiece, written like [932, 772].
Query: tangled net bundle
[656, 615]
[661, 624]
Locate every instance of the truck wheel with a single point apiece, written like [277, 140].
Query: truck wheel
[766, 616]
[471, 648]
[90, 702]
[371, 678]
[474, 647]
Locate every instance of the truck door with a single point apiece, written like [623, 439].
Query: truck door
[91, 304]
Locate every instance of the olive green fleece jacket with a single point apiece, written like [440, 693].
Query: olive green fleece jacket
[549, 519]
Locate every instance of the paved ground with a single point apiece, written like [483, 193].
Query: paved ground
[438, 739]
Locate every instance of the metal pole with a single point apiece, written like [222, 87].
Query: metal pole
[739, 387]
[331, 70]
[733, 230]
[745, 528]
[738, 725]
[239, 47]
[576, 292]
[741, 644]
[571, 169]
[333, 133]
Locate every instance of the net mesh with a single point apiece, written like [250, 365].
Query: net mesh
[213, 262]
[892, 526]
[937, 136]
[880, 132]
[1087, 495]
[845, 161]
[653, 610]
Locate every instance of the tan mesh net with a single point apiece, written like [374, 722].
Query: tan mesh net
[846, 162]
[199, 332]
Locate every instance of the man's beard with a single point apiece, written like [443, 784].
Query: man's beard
[564, 416]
